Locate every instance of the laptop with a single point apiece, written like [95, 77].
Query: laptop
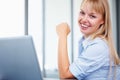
[18, 59]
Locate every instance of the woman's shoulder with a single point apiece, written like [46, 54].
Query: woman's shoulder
[98, 42]
[95, 47]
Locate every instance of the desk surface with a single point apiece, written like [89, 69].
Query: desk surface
[50, 79]
[57, 79]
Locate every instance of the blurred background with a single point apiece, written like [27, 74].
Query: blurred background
[39, 19]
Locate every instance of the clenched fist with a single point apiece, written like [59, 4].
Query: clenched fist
[62, 29]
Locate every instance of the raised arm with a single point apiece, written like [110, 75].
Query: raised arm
[63, 61]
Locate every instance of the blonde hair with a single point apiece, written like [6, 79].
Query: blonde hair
[105, 30]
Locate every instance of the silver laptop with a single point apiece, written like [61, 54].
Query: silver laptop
[18, 60]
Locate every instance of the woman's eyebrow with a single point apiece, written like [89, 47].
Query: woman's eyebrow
[93, 13]
[81, 10]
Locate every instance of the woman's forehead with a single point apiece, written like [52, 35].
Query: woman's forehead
[91, 7]
[88, 8]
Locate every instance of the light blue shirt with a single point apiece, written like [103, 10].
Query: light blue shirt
[92, 62]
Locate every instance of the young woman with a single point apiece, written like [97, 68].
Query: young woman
[97, 59]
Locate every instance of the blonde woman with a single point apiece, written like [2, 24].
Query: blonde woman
[97, 58]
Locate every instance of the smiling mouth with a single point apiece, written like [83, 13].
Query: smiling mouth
[84, 27]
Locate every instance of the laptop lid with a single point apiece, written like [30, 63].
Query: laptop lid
[18, 59]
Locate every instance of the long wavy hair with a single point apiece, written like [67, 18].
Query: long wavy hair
[105, 30]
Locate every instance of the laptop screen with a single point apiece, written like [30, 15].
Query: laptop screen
[18, 59]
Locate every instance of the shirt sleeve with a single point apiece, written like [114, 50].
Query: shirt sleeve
[91, 59]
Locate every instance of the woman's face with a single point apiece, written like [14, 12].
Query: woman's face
[89, 20]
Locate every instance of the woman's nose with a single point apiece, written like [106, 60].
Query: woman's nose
[84, 18]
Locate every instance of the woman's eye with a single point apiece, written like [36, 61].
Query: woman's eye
[82, 13]
[92, 16]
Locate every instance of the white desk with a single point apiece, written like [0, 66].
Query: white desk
[57, 79]
[50, 79]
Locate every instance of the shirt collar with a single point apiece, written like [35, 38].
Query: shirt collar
[86, 42]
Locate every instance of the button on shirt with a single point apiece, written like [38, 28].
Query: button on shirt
[92, 62]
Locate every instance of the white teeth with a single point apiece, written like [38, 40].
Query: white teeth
[84, 25]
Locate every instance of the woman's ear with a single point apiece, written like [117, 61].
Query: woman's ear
[102, 22]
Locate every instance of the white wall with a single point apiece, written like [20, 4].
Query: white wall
[35, 26]
[11, 18]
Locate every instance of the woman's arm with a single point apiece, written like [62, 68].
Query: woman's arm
[63, 61]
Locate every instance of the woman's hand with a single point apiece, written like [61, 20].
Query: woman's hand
[62, 29]
[63, 61]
